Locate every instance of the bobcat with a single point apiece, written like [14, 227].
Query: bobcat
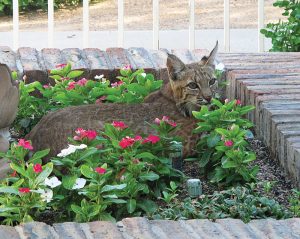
[189, 87]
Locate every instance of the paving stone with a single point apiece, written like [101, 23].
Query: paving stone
[76, 57]
[9, 232]
[135, 227]
[107, 230]
[37, 230]
[32, 65]
[10, 58]
[159, 58]
[73, 230]
[142, 59]
[99, 63]
[185, 55]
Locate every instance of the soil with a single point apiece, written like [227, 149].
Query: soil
[269, 171]
[174, 15]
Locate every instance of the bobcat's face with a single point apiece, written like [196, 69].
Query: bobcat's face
[192, 85]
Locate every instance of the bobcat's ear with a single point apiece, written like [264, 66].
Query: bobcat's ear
[175, 67]
[211, 58]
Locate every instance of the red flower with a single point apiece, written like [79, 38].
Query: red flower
[25, 144]
[82, 133]
[126, 142]
[116, 84]
[100, 170]
[24, 190]
[119, 124]
[238, 102]
[82, 82]
[228, 143]
[37, 168]
[91, 134]
[151, 138]
[60, 65]
[71, 85]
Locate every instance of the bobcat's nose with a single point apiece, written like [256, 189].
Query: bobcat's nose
[208, 98]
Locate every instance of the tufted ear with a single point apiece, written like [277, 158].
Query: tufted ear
[175, 67]
[211, 58]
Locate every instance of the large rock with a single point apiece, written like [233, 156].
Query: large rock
[54, 128]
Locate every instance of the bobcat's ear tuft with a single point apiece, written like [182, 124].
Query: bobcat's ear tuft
[211, 58]
[175, 67]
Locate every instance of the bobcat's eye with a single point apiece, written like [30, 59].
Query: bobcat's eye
[192, 85]
[212, 81]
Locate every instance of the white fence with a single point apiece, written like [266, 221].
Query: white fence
[85, 24]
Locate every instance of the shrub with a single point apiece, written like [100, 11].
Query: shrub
[238, 202]
[223, 153]
[132, 87]
[285, 35]
[100, 176]
[6, 6]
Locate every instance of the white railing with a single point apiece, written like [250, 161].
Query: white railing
[85, 24]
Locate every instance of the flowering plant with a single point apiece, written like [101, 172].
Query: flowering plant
[222, 148]
[71, 89]
[99, 176]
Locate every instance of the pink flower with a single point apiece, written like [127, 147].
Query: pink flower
[100, 170]
[119, 124]
[138, 137]
[46, 86]
[25, 144]
[157, 121]
[82, 134]
[64, 78]
[102, 98]
[238, 102]
[165, 119]
[37, 168]
[151, 138]
[71, 85]
[82, 82]
[60, 65]
[226, 101]
[116, 84]
[91, 134]
[127, 67]
[126, 142]
[24, 190]
[14, 174]
[228, 143]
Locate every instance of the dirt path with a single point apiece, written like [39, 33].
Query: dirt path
[138, 15]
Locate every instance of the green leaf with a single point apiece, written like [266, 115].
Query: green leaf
[131, 205]
[69, 181]
[108, 188]
[229, 164]
[213, 140]
[19, 169]
[39, 155]
[205, 158]
[47, 170]
[77, 209]
[74, 74]
[151, 176]
[146, 155]
[148, 206]
[10, 190]
[87, 171]
[88, 153]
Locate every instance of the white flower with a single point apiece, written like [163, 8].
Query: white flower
[47, 195]
[143, 75]
[99, 77]
[220, 67]
[71, 149]
[52, 182]
[80, 183]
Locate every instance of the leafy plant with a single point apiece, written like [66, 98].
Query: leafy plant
[237, 202]
[285, 35]
[100, 176]
[37, 99]
[222, 148]
[295, 202]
